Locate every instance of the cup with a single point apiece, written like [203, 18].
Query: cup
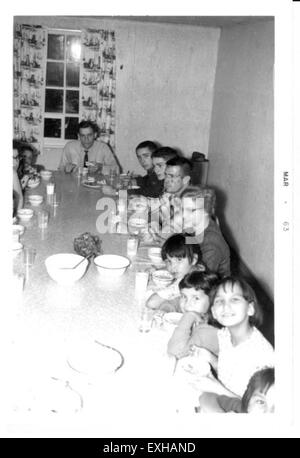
[146, 320]
[43, 218]
[29, 256]
[132, 246]
[141, 283]
[56, 199]
[50, 189]
[84, 171]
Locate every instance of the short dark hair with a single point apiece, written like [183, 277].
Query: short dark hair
[260, 381]
[176, 247]
[84, 124]
[165, 152]
[182, 162]
[199, 280]
[147, 144]
[248, 294]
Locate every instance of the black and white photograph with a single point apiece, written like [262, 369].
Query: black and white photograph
[149, 250]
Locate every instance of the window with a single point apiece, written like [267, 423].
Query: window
[62, 89]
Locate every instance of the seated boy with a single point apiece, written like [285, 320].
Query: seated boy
[149, 184]
[214, 249]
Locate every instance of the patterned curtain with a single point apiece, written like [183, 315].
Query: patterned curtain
[28, 80]
[98, 84]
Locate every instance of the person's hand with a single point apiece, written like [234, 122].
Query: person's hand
[109, 190]
[204, 354]
[70, 168]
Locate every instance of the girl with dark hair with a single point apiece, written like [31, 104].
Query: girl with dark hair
[180, 258]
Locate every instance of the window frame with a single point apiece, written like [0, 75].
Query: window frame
[50, 142]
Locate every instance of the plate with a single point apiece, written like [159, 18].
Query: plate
[95, 359]
[33, 184]
[94, 185]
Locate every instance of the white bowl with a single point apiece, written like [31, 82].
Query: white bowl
[162, 278]
[35, 199]
[154, 253]
[55, 263]
[46, 174]
[172, 318]
[18, 228]
[25, 214]
[111, 266]
[33, 183]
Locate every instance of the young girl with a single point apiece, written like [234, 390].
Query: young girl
[238, 349]
[195, 288]
[258, 397]
[180, 258]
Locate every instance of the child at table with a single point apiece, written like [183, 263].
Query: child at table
[181, 257]
[238, 349]
[258, 397]
[195, 289]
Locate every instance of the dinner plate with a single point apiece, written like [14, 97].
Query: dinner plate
[33, 184]
[93, 185]
[95, 359]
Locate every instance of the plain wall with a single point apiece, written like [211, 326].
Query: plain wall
[241, 145]
[164, 88]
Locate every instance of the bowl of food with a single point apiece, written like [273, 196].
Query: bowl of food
[25, 214]
[162, 278]
[46, 174]
[154, 254]
[33, 182]
[171, 320]
[66, 268]
[35, 199]
[111, 266]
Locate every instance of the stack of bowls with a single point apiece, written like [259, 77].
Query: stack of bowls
[35, 199]
[25, 214]
[46, 174]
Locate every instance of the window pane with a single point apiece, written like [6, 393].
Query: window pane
[72, 101]
[71, 128]
[52, 128]
[54, 101]
[56, 47]
[73, 48]
[55, 74]
[72, 75]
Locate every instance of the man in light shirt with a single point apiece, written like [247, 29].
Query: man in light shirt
[78, 153]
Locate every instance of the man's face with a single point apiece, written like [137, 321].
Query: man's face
[144, 158]
[159, 165]
[27, 157]
[174, 179]
[87, 137]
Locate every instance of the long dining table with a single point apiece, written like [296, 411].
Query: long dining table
[91, 324]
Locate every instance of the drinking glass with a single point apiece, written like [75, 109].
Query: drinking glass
[43, 217]
[29, 256]
[56, 198]
[50, 189]
[141, 283]
[145, 320]
[132, 246]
